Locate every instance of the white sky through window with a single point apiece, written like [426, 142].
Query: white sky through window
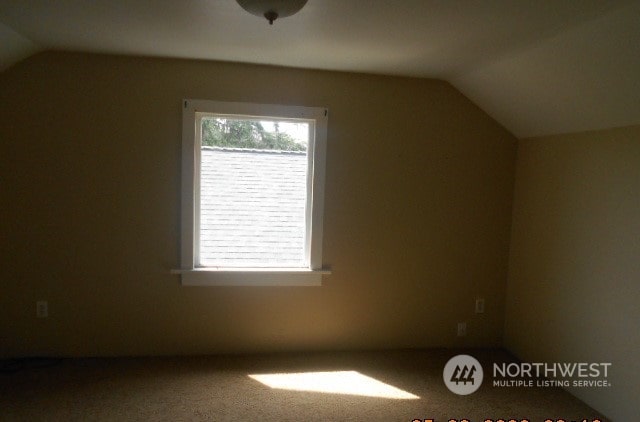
[298, 131]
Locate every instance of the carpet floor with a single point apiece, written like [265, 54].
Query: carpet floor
[219, 388]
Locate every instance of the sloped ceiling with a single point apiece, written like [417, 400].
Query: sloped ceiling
[538, 67]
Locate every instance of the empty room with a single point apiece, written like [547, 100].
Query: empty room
[327, 210]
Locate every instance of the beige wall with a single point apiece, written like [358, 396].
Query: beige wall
[574, 273]
[418, 205]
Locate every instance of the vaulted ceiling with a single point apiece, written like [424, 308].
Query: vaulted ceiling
[538, 67]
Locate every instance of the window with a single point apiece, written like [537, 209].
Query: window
[252, 194]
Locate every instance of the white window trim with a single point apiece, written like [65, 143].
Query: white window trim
[193, 275]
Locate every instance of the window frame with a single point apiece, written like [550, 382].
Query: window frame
[191, 272]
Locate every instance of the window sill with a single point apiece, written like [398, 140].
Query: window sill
[251, 276]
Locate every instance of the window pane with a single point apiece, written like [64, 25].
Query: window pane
[253, 193]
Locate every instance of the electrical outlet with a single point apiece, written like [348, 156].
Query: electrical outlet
[462, 329]
[479, 305]
[42, 309]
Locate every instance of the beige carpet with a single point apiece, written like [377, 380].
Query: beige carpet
[218, 388]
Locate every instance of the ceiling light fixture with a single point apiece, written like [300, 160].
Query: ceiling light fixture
[272, 9]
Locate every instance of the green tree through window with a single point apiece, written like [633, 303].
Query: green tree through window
[232, 133]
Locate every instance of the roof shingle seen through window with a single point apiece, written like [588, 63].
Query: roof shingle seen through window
[252, 208]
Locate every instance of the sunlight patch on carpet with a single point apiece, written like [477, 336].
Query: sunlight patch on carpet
[336, 382]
